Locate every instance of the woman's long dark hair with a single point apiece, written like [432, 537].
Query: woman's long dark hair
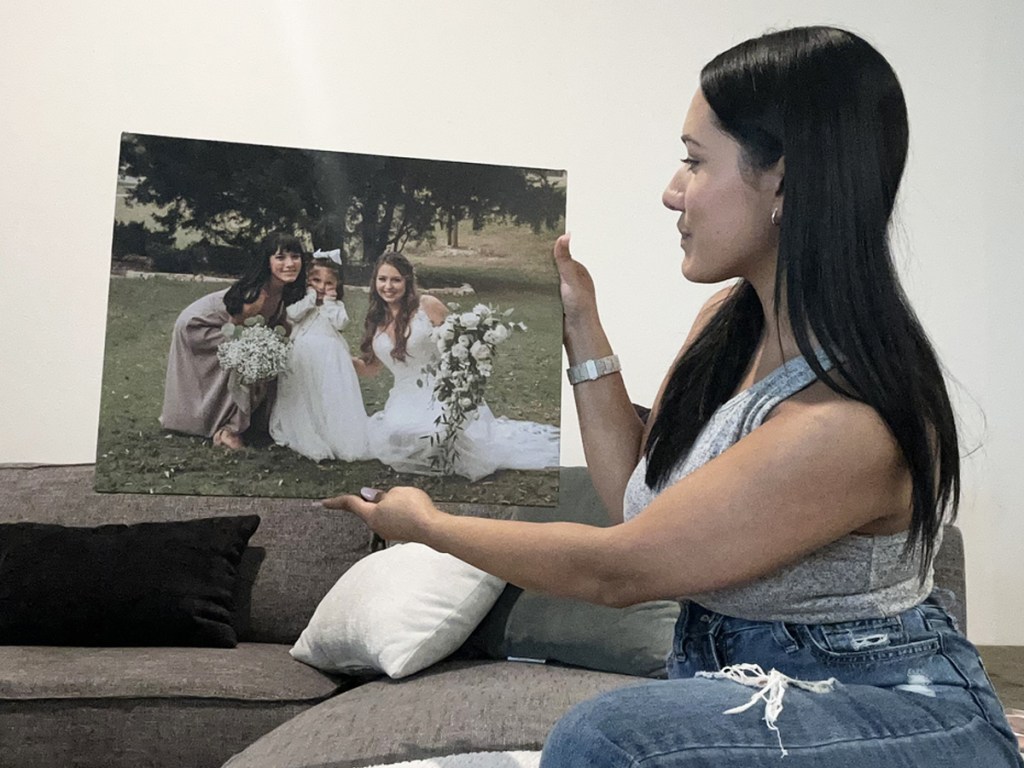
[377, 311]
[246, 289]
[830, 104]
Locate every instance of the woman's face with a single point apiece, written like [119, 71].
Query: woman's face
[322, 280]
[390, 284]
[724, 208]
[285, 267]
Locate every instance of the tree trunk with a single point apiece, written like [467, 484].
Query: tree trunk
[453, 229]
[384, 228]
[368, 233]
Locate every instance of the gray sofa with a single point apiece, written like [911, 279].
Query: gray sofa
[113, 707]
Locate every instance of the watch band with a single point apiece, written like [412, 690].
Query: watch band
[589, 370]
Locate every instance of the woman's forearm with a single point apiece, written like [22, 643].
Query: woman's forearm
[565, 559]
[609, 425]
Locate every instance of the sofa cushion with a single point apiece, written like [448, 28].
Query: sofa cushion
[248, 672]
[633, 640]
[629, 641]
[133, 733]
[449, 708]
[131, 707]
[166, 583]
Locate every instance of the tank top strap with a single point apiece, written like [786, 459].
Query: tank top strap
[755, 403]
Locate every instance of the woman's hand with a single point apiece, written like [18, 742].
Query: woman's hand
[401, 514]
[365, 369]
[577, 287]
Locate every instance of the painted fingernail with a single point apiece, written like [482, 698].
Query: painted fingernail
[370, 494]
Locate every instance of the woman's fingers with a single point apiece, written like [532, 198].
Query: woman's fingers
[399, 514]
[568, 268]
[577, 286]
[351, 503]
[562, 253]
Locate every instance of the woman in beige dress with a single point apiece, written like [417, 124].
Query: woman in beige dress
[198, 398]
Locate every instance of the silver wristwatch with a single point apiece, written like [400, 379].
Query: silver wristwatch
[589, 370]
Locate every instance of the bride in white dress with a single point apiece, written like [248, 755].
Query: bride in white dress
[398, 335]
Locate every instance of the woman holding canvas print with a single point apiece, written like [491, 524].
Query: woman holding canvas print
[792, 482]
[199, 398]
[319, 408]
[399, 334]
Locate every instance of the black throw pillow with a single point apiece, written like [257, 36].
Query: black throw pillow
[149, 584]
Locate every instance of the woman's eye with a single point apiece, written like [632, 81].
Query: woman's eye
[690, 162]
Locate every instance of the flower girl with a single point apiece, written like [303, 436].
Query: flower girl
[319, 409]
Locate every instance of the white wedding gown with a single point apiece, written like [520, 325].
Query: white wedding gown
[319, 409]
[399, 434]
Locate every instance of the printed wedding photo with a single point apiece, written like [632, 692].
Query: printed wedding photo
[302, 323]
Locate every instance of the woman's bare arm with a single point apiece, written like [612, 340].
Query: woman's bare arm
[820, 468]
[609, 425]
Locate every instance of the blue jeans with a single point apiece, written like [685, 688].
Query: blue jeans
[911, 692]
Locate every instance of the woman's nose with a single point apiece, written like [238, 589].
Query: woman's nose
[672, 197]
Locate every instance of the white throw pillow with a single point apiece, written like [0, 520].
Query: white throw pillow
[397, 611]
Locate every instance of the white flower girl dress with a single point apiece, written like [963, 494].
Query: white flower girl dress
[319, 409]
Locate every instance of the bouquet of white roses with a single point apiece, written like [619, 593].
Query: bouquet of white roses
[466, 341]
[253, 350]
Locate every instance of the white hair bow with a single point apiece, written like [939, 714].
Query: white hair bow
[334, 255]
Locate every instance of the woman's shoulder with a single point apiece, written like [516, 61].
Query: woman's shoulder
[827, 417]
[826, 422]
[210, 302]
[433, 308]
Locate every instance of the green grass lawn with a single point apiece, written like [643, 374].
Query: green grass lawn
[135, 455]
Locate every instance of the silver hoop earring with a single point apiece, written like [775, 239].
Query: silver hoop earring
[775, 217]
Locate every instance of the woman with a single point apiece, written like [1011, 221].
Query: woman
[398, 335]
[198, 396]
[792, 481]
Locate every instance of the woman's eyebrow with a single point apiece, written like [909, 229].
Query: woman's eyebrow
[688, 139]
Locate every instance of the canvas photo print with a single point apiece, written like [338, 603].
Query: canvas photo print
[303, 323]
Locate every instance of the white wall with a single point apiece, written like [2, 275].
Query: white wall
[597, 87]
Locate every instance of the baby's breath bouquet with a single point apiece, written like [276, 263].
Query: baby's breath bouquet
[254, 350]
[466, 341]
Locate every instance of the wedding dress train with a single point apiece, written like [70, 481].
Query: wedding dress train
[399, 435]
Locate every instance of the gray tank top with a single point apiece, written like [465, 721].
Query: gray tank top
[852, 578]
